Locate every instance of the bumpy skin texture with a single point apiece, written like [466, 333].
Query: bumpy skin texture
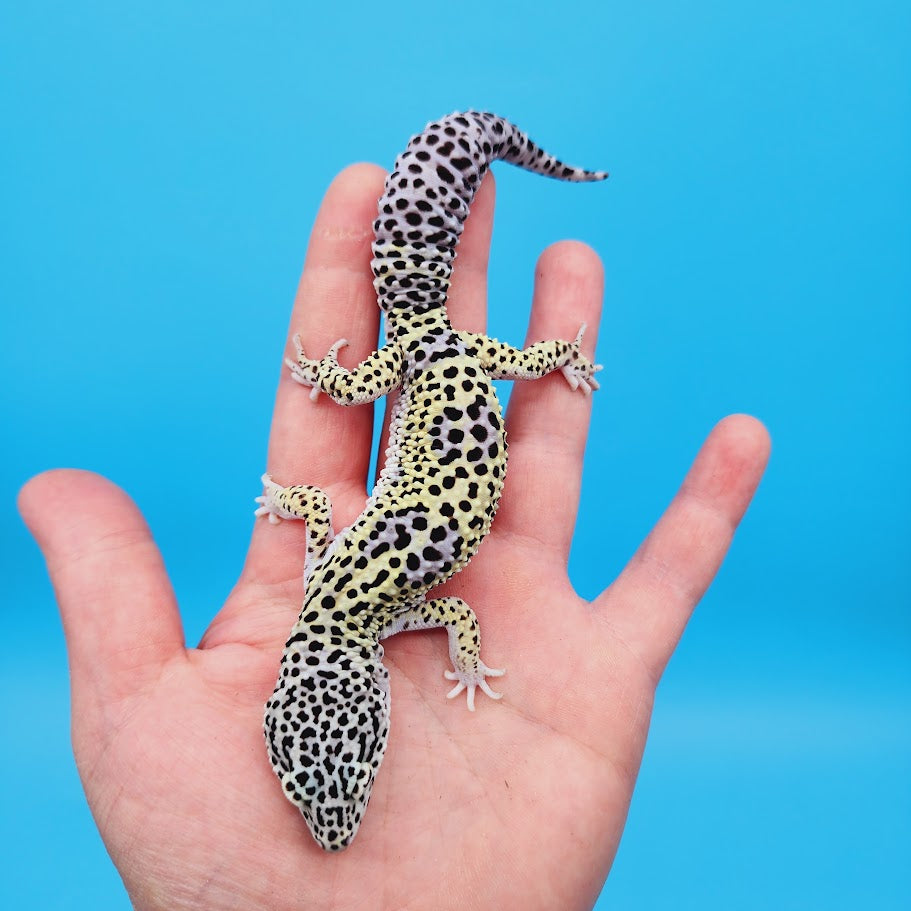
[327, 723]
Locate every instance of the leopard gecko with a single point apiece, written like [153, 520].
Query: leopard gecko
[327, 722]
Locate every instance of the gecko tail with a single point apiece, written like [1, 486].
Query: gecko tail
[427, 198]
[514, 146]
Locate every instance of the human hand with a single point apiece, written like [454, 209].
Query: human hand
[520, 804]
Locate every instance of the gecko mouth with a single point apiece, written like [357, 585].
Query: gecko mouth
[337, 846]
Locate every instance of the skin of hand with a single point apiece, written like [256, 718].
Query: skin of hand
[520, 804]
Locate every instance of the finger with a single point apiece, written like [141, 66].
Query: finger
[547, 421]
[651, 601]
[466, 303]
[320, 442]
[335, 299]
[119, 614]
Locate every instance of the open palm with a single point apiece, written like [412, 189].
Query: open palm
[520, 804]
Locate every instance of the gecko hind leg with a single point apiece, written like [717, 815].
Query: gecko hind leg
[375, 376]
[461, 623]
[504, 362]
[306, 371]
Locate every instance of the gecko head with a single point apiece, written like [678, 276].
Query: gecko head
[326, 737]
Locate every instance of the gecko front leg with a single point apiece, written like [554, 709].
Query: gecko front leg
[461, 623]
[300, 501]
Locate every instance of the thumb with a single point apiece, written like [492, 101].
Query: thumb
[119, 614]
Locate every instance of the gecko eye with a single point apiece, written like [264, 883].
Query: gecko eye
[295, 785]
[355, 777]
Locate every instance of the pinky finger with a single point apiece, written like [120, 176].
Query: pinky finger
[651, 601]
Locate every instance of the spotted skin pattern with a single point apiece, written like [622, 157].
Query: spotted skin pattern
[327, 722]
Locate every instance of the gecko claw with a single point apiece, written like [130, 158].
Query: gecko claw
[303, 370]
[471, 682]
[579, 370]
[269, 506]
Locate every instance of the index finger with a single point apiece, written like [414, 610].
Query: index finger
[320, 442]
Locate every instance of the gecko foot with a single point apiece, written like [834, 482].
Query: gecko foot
[580, 371]
[269, 506]
[472, 681]
[305, 370]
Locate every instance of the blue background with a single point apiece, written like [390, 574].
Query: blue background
[161, 166]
